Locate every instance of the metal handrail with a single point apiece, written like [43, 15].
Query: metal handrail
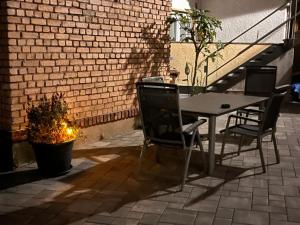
[241, 34]
[256, 42]
[250, 28]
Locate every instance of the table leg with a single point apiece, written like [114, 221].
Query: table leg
[211, 143]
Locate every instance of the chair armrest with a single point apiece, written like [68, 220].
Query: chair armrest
[194, 126]
[244, 118]
[245, 110]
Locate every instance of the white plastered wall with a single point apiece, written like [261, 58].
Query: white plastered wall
[238, 15]
[184, 4]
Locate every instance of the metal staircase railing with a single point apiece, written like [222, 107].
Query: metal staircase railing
[291, 16]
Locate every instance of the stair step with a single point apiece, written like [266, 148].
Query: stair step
[222, 81]
[212, 88]
[232, 75]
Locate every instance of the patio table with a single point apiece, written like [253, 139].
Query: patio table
[209, 105]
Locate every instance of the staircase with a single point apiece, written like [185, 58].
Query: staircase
[238, 74]
[230, 79]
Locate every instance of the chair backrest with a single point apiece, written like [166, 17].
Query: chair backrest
[160, 112]
[260, 81]
[272, 110]
[156, 79]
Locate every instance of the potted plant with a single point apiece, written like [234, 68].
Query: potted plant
[201, 30]
[51, 134]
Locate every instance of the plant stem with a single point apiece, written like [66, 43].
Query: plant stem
[195, 68]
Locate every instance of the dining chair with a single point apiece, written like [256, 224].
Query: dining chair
[252, 111]
[162, 121]
[259, 81]
[186, 117]
[258, 129]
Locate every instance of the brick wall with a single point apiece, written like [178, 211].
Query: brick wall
[92, 50]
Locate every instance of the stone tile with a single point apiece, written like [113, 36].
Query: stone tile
[150, 218]
[293, 215]
[292, 202]
[251, 217]
[235, 202]
[83, 206]
[149, 206]
[203, 206]
[277, 217]
[178, 216]
[100, 219]
[225, 213]
[260, 200]
[204, 218]
[124, 221]
[222, 221]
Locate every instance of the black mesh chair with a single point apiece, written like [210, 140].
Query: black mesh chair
[252, 111]
[258, 128]
[259, 81]
[162, 121]
[186, 117]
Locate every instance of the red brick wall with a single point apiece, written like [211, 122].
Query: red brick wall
[92, 50]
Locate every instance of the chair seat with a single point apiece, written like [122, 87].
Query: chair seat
[245, 129]
[173, 139]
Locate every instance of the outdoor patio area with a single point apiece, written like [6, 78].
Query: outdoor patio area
[105, 187]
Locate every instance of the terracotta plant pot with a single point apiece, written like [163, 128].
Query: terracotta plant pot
[53, 159]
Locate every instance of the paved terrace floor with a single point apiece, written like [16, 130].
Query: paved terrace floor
[104, 186]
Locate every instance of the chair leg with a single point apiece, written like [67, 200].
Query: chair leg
[223, 146]
[142, 154]
[202, 152]
[186, 166]
[275, 148]
[240, 144]
[259, 142]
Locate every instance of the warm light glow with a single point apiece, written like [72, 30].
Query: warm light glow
[69, 130]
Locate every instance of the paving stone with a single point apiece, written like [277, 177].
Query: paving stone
[251, 217]
[235, 202]
[203, 206]
[277, 217]
[293, 202]
[225, 213]
[149, 218]
[222, 221]
[260, 200]
[149, 206]
[83, 206]
[124, 221]
[293, 215]
[100, 219]
[204, 218]
[178, 216]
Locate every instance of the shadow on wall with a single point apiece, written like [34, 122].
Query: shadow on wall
[6, 159]
[150, 57]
